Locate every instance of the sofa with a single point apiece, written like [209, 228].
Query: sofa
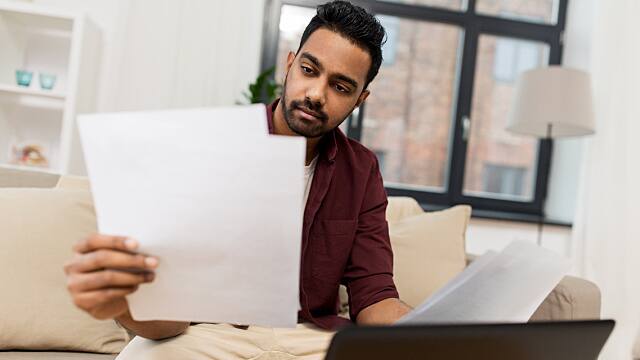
[416, 275]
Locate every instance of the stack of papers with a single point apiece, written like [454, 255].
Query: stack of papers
[215, 198]
[504, 287]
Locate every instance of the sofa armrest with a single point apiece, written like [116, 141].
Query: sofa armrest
[573, 299]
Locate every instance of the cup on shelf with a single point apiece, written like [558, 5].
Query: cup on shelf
[47, 81]
[23, 77]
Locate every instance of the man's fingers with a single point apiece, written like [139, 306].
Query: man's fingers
[90, 299]
[107, 259]
[106, 279]
[96, 242]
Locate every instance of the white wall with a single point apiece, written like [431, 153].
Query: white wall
[167, 53]
[483, 235]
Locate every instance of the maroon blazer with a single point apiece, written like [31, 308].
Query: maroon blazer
[345, 237]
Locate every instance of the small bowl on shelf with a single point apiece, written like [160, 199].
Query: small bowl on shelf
[23, 77]
[47, 81]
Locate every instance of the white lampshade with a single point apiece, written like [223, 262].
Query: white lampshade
[554, 96]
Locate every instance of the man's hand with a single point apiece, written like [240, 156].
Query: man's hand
[103, 271]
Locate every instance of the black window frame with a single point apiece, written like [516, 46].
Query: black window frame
[472, 25]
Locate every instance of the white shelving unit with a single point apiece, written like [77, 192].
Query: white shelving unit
[53, 41]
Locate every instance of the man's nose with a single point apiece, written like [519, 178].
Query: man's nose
[316, 96]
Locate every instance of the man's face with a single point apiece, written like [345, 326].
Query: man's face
[324, 83]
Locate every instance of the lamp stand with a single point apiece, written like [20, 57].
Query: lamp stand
[544, 191]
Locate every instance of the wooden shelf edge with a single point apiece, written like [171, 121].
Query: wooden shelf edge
[29, 168]
[15, 89]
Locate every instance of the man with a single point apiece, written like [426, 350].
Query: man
[345, 236]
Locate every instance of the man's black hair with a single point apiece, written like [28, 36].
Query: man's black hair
[354, 23]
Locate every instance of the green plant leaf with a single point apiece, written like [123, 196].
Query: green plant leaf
[264, 89]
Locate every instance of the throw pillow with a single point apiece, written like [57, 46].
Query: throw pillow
[39, 228]
[400, 207]
[429, 250]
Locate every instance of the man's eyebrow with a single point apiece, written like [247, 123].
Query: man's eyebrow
[317, 63]
[347, 79]
[313, 59]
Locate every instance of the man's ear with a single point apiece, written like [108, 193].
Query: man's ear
[363, 96]
[290, 57]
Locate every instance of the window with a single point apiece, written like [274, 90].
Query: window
[380, 154]
[488, 141]
[515, 56]
[445, 4]
[436, 115]
[541, 11]
[500, 179]
[412, 123]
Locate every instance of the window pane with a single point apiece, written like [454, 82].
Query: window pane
[543, 11]
[500, 164]
[409, 112]
[293, 21]
[446, 4]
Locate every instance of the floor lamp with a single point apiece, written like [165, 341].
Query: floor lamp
[549, 103]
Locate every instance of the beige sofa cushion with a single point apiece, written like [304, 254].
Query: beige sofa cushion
[429, 250]
[70, 182]
[50, 355]
[11, 177]
[39, 227]
[572, 299]
[636, 348]
[401, 207]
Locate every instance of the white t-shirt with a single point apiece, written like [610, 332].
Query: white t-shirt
[309, 170]
[308, 179]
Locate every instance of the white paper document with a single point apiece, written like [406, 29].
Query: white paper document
[504, 287]
[215, 198]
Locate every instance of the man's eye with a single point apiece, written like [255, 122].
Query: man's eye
[342, 89]
[306, 70]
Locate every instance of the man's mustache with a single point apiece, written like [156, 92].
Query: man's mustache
[308, 107]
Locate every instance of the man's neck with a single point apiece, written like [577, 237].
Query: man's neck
[280, 127]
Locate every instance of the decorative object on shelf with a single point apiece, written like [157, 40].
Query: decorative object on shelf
[47, 81]
[264, 90]
[29, 155]
[23, 77]
[549, 103]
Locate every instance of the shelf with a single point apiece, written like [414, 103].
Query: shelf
[32, 15]
[46, 39]
[20, 90]
[45, 170]
[33, 97]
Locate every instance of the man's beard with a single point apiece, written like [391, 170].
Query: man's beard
[299, 126]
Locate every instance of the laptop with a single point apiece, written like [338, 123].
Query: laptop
[568, 340]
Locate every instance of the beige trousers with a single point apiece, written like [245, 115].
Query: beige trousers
[222, 341]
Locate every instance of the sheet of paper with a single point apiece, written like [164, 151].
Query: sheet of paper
[497, 287]
[215, 198]
[468, 273]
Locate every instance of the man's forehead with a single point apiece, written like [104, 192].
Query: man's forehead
[338, 54]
